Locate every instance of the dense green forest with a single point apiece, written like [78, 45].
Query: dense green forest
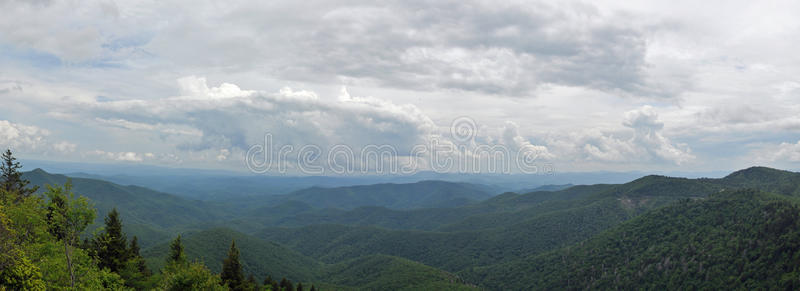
[655, 232]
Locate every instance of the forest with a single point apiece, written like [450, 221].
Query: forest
[655, 232]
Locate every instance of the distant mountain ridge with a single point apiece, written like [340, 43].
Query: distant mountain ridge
[424, 194]
[478, 240]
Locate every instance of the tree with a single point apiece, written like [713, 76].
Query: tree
[135, 255]
[111, 246]
[299, 286]
[11, 178]
[176, 255]
[17, 272]
[286, 285]
[313, 288]
[272, 283]
[251, 283]
[189, 276]
[67, 217]
[232, 269]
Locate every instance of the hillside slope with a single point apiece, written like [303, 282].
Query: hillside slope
[740, 239]
[424, 194]
[148, 214]
[259, 257]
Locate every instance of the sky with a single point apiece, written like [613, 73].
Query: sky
[563, 86]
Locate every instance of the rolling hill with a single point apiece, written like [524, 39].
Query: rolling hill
[148, 214]
[741, 239]
[259, 257]
[262, 258]
[424, 194]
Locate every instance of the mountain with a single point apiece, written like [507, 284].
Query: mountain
[499, 230]
[148, 214]
[506, 241]
[381, 272]
[259, 257]
[548, 187]
[741, 239]
[767, 179]
[262, 258]
[424, 194]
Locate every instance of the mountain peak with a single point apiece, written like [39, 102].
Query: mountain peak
[757, 172]
[39, 171]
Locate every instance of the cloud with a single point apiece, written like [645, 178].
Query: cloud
[21, 136]
[226, 117]
[518, 143]
[783, 152]
[509, 48]
[120, 156]
[30, 139]
[645, 144]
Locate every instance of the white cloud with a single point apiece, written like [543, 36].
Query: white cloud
[117, 156]
[518, 143]
[783, 152]
[717, 75]
[22, 137]
[646, 144]
[65, 147]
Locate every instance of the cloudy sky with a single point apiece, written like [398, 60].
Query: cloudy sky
[607, 85]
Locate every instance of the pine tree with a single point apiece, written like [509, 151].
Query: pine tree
[232, 269]
[11, 178]
[313, 288]
[135, 255]
[286, 285]
[299, 286]
[251, 283]
[111, 247]
[176, 255]
[272, 283]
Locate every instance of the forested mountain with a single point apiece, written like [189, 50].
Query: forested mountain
[260, 258]
[152, 215]
[424, 194]
[148, 214]
[741, 239]
[644, 233]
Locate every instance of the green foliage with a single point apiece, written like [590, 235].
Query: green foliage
[176, 255]
[150, 215]
[652, 233]
[232, 269]
[380, 272]
[67, 217]
[21, 274]
[734, 239]
[261, 258]
[11, 178]
[34, 258]
[111, 251]
[424, 194]
[189, 276]
[111, 246]
[17, 272]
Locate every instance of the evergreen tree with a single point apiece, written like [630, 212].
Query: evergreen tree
[176, 255]
[299, 286]
[232, 269]
[135, 255]
[313, 288]
[111, 247]
[272, 283]
[11, 178]
[286, 285]
[251, 283]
